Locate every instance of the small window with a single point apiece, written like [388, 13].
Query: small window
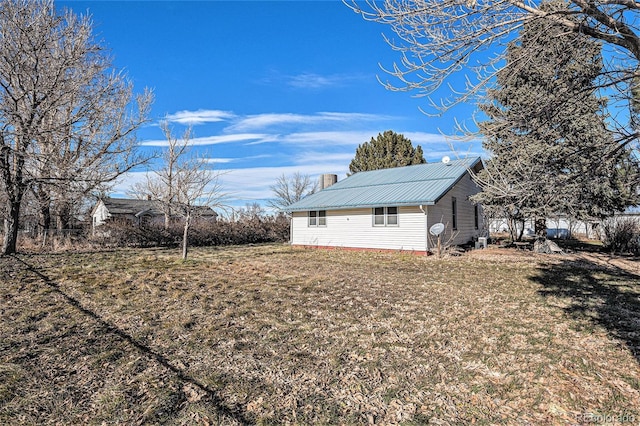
[392, 215]
[322, 218]
[454, 213]
[378, 216]
[385, 216]
[318, 218]
[476, 216]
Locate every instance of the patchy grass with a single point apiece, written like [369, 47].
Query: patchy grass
[272, 335]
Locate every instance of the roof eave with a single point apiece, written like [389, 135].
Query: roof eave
[362, 206]
[467, 172]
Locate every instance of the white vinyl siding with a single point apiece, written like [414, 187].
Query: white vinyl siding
[352, 228]
[100, 214]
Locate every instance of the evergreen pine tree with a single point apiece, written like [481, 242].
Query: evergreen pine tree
[551, 150]
[388, 150]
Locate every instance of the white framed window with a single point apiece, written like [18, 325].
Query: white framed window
[385, 216]
[318, 218]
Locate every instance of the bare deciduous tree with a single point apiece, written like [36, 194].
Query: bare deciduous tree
[67, 120]
[439, 38]
[289, 190]
[183, 186]
[161, 184]
[552, 152]
[250, 211]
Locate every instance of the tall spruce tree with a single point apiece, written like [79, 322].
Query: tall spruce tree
[551, 150]
[388, 150]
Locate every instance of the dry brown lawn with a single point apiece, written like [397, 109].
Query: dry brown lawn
[275, 335]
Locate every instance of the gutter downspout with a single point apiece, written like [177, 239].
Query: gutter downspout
[291, 230]
[426, 227]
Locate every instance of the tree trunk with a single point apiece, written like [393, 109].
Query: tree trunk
[520, 231]
[541, 227]
[511, 223]
[64, 217]
[9, 245]
[185, 234]
[44, 210]
[516, 228]
[45, 218]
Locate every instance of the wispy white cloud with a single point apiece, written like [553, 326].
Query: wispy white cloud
[424, 138]
[250, 185]
[315, 81]
[311, 80]
[236, 159]
[200, 116]
[221, 160]
[307, 158]
[213, 140]
[311, 144]
[122, 186]
[320, 139]
[266, 121]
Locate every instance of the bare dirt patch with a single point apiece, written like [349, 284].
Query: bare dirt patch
[270, 334]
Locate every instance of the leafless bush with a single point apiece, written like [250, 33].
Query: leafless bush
[622, 235]
[128, 234]
[245, 230]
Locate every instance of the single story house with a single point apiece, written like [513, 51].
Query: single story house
[137, 211]
[392, 209]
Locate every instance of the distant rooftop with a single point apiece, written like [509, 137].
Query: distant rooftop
[133, 206]
[632, 210]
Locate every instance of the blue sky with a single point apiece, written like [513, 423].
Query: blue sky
[269, 87]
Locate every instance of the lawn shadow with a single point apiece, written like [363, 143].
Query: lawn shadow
[232, 412]
[599, 292]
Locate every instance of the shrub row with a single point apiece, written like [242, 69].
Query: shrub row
[246, 230]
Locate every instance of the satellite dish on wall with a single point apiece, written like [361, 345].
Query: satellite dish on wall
[436, 229]
[446, 159]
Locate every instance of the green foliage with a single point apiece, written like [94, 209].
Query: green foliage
[552, 152]
[388, 150]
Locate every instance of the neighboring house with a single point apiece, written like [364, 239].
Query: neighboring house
[557, 227]
[631, 212]
[137, 211]
[392, 209]
[565, 227]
